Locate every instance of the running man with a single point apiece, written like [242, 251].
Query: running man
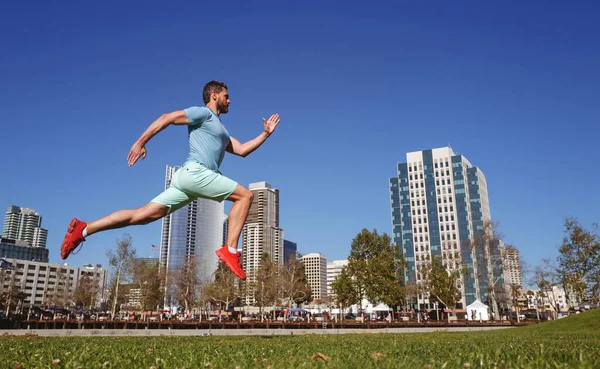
[198, 177]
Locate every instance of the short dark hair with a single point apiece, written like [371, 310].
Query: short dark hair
[210, 87]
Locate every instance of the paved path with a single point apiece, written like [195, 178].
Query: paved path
[229, 332]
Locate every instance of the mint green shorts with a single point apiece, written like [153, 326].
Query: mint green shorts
[194, 180]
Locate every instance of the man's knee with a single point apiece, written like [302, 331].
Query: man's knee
[249, 195]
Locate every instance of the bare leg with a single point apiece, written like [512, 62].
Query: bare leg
[123, 218]
[242, 199]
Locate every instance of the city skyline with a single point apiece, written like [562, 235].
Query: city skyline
[189, 213]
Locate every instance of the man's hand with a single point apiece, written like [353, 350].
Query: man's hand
[137, 151]
[271, 123]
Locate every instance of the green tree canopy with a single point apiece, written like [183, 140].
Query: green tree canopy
[579, 260]
[442, 285]
[373, 268]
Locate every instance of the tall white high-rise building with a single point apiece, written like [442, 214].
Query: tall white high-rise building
[334, 268]
[26, 225]
[315, 268]
[225, 228]
[512, 267]
[439, 203]
[194, 229]
[261, 232]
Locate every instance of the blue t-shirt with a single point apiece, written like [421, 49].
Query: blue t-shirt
[207, 137]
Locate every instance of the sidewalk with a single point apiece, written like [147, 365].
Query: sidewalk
[228, 332]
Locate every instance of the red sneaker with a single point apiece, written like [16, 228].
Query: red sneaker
[73, 238]
[232, 260]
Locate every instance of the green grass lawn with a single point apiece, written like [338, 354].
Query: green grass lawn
[573, 342]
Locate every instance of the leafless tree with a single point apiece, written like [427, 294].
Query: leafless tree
[547, 278]
[186, 283]
[490, 256]
[293, 283]
[121, 262]
[225, 289]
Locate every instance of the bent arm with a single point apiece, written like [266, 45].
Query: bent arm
[237, 148]
[244, 149]
[176, 117]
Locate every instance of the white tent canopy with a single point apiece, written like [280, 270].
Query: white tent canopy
[479, 309]
[382, 307]
[370, 309]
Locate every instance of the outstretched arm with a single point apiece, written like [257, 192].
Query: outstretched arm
[138, 150]
[244, 149]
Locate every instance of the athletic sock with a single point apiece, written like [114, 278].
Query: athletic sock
[84, 232]
[232, 250]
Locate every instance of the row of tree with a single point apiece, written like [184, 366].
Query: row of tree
[576, 269]
[270, 285]
[377, 270]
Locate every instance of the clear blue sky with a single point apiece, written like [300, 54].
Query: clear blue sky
[512, 87]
